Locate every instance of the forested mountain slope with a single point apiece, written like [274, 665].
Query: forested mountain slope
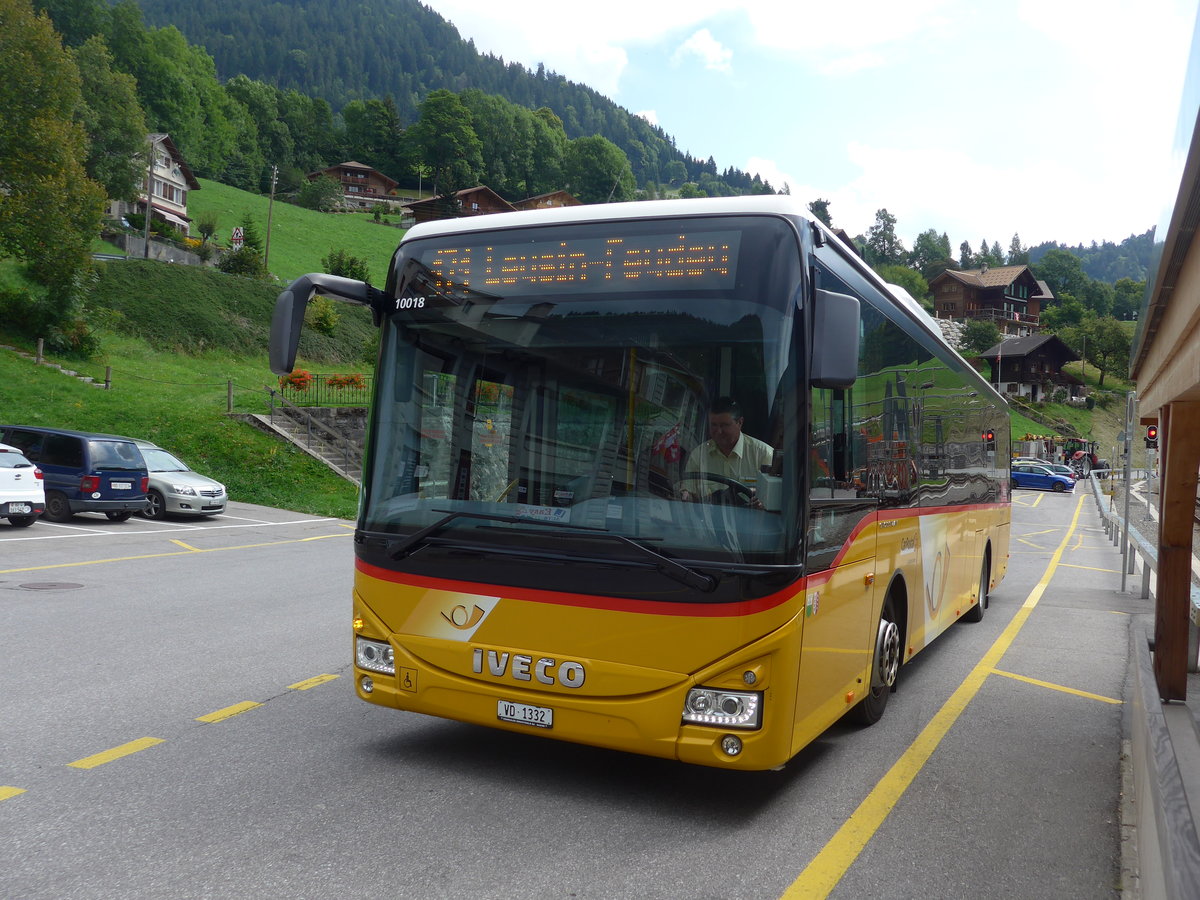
[343, 50]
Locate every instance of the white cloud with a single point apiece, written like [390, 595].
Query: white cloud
[949, 191]
[581, 41]
[855, 62]
[769, 170]
[707, 49]
[649, 115]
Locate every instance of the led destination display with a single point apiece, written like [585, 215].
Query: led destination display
[701, 261]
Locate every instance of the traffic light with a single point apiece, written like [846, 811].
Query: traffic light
[989, 439]
[1152, 437]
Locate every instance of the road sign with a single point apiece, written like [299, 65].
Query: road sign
[237, 236]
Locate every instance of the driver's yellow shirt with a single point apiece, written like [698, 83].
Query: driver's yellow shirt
[742, 464]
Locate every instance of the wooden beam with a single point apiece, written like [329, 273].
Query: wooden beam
[1179, 438]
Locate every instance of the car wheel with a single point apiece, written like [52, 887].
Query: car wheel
[975, 613]
[57, 507]
[119, 516]
[1059, 487]
[156, 506]
[21, 521]
[885, 666]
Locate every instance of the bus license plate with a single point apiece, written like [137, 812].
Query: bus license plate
[121, 485]
[524, 714]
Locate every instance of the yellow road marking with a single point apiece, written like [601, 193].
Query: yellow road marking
[189, 551]
[6, 791]
[186, 546]
[830, 864]
[1055, 687]
[1044, 531]
[1031, 544]
[228, 712]
[107, 756]
[311, 682]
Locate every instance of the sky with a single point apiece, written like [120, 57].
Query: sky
[1050, 119]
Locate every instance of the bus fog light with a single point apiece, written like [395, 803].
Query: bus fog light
[374, 656]
[367, 684]
[723, 709]
[731, 744]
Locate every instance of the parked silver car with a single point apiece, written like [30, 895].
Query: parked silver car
[175, 489]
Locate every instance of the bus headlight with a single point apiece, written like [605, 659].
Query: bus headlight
[374, 656]
[723, 709]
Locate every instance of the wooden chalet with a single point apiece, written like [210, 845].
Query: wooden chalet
[362, 186]
[1032, 367]
[1008, 295]
[552, 200]
[476, 201]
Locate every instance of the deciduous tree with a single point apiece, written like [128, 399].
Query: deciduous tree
[49, 208]
[444, 140]
[113, 119]
[597, 171]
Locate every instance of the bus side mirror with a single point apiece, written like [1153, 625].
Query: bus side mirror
[288, 319]
[835, 321]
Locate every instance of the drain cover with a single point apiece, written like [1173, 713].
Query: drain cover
[50, 586]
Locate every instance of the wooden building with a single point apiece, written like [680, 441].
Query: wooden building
[476, 201]
[362, 186]
[552, 200]
[1032, 367]
[1008, 295]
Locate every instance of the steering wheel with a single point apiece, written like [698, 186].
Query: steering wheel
[736, 493]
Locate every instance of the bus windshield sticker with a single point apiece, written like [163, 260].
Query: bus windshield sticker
[544, 513]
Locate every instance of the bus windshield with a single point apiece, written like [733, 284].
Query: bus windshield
[545, 388]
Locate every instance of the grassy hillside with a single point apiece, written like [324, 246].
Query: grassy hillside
[175, 338]
[178, 402]
[191, 310]
[299, 237]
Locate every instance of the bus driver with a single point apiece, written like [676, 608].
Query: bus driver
[728, 453]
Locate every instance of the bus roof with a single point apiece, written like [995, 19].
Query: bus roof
[772, 204]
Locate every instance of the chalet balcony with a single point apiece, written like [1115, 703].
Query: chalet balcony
[1004, 319]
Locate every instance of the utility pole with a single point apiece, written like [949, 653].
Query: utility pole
[270, 209]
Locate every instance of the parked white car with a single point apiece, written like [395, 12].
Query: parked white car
[22, 492]
[177, 490]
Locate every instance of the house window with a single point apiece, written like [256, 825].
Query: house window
[474, 207]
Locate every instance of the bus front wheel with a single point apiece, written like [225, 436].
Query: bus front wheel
[885, 666]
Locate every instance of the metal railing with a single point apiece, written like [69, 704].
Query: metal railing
[313, 426]
[329, 390]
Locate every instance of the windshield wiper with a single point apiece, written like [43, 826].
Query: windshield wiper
[672, 569]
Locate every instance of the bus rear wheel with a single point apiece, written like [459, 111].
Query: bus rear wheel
[975, 613]
[885, 666]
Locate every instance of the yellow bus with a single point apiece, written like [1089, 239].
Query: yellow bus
[537, 548]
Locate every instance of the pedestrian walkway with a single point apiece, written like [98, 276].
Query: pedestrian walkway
[1163, 808]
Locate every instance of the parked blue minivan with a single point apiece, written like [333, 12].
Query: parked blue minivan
[84, 472]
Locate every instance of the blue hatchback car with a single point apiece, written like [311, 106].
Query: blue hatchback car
[1027, 475]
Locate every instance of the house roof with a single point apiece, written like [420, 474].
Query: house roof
[1044, 292]
[351, 164]
[529, 202]
[465, 192]
[159, 137]
[1001, 276]
[1023, 346]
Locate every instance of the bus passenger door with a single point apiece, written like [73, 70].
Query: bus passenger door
[840, 547]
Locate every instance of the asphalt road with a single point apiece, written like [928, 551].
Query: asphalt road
[177, 721]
